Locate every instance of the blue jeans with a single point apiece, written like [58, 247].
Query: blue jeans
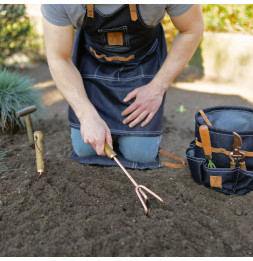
[133, 148]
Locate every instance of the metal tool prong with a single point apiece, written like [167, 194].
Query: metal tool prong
[138, 188]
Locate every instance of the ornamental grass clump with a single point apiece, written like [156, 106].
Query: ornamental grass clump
[16, 93]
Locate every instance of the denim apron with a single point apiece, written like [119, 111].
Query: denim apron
[116, 54]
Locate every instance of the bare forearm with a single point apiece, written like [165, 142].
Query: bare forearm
[69, 82]
[180, 53]
[59, 44]
[191, 27]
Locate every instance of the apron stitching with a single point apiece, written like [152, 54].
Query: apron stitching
[120, 72]
[91, 76]
[95, 76]
[144, 132]
[72, 124]
[142, 74]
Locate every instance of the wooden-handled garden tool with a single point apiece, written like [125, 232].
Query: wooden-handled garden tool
[26, 114]
[38, 141]
[206, 143]
[138, 188]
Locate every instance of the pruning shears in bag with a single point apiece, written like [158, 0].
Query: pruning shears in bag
[237, 156]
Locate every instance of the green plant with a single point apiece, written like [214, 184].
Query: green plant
[228, 17]
[16, 92]
[17, 34]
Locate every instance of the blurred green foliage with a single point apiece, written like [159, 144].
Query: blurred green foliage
[17, 34]
[219, 18]
[228, 18]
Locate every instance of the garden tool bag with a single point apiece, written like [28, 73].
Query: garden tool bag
[222, 157]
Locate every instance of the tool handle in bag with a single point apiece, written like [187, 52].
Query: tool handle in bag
[38, 141]
[206, 141]
[109, 151]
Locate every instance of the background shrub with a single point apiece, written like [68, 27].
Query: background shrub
[17, 34]
[228, 18]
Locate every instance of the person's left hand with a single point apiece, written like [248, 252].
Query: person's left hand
[148, 99]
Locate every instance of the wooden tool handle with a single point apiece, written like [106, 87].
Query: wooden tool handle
[109, 151]
[205, 139]
[242, 165]
[25, 111]
[38, 141]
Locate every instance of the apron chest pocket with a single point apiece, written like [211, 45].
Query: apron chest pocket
[115, 39]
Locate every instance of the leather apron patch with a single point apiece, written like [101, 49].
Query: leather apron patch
[216, 181]
[115, 38]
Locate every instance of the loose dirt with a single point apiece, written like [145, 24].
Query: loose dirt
[80, 210]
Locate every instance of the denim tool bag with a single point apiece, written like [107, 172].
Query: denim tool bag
[221, 156]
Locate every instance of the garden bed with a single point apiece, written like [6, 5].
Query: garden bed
[79, 210]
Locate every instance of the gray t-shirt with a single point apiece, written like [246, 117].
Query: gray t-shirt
[66, 14]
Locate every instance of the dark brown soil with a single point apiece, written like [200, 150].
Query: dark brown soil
[79, 210]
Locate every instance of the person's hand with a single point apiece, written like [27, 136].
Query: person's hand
[95, 132]
[148, 99]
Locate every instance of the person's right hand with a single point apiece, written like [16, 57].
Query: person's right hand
[95, 132]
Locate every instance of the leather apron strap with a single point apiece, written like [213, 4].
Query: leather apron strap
[90, 10]
[133, 12]
[171, 156]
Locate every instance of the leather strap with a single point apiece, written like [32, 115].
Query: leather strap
[206, 141]
[133, 12]
[221, 150]
[112, 58]
[90, 10]
[171, 156]
[205, 118]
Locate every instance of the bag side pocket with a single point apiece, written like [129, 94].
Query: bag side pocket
[221, 179]
[195, 164]
[244, 182]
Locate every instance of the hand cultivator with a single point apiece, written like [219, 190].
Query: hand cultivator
[138, 188]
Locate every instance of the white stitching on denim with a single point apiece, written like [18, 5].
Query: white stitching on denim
[196, 160]
[95, 75]
[120, 72]
[91, 76]
[154, 133]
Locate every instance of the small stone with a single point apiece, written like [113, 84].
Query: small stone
[238, 212]
[83, 185]
[204, 211]
[245, 212]
[26, 182]
[1, 202]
